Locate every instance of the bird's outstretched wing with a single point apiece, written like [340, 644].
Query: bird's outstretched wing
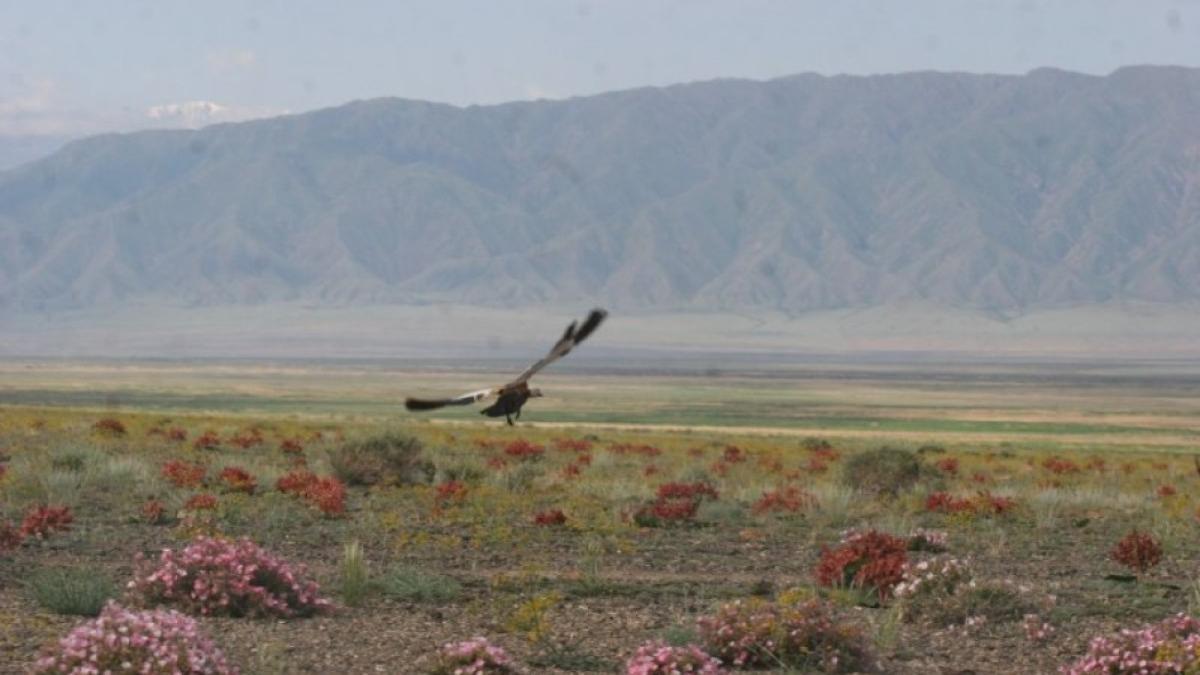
[434, 404]
[572, 337]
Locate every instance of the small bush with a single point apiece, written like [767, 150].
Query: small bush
[387, 459]
[787, 499]
[550, 517]
[760, 634]
[237, 479]
[873, 561]
[1138, 551]
[659, 658]
[883, 471]
[1171, 646]
[41, 521]
[109, 426]
[227, 578]
[413, 585]
[183, 474]
[674, 503]
[74, 591]
[476, 656]
[121, 640]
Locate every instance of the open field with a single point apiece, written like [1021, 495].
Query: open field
[1033, 471]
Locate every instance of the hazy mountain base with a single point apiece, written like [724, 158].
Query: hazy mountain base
[393, 331]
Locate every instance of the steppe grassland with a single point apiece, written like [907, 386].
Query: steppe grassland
[1083, 460]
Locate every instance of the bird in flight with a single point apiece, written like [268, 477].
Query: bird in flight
[510, 397]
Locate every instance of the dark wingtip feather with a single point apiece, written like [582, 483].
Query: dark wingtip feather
[569, 334]
[590, 324]
[422, 404]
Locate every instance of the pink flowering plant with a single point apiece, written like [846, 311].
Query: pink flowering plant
[220, 577]
[659, 658]
[1170, 646]
[157, 642]
[476, 656]
[760, 634]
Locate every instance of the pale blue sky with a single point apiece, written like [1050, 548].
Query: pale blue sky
[77, 67]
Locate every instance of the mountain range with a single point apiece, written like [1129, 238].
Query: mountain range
[1004, 194]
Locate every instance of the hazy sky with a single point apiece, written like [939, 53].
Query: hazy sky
[77, 67]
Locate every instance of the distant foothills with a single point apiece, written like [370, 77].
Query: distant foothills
[1000, 194]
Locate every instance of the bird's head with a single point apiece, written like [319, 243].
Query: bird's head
[535, 393]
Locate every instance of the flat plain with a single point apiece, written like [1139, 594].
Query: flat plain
[1033, 470]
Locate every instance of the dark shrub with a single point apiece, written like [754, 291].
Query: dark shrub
[883, 471]
[387, 459]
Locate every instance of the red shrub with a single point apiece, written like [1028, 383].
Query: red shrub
[632, 449]
[1166, 490]
[154, 512]
[11, 538]
[571, 471]
[572, 444]
[247, 438]
[237, 479]
[451, 490]
[997, 505]
[816, 465]
[948, 466]
[984, 502]
[209, 440]
[674, 503]
[109, 426]
[733, 454]
[43, 520]
[523, 449]
[328, 495]
[176, 434]
[869, 560]
[584, 460]
[295, 483]
[786, 499]
[550, 517]
[824, 454]
[1059, 466]
[942, 502]
[694, 491]
[1138, 551]
[291, 446]
[183, 474]
[201, 502]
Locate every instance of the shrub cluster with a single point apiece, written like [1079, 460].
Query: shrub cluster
[869, 560]
[659, 658]
[1138, 551]
[183, 474]
[981, 503]
[883, 471]
[674, 503]
[1171, 646]
[788, 499]
[122, 640]
[227, 578]
[761, 634]
[41, 521]
[386, 459]
[324, 493]
[476, 656]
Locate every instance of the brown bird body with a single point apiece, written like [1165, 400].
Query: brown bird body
[512, 396]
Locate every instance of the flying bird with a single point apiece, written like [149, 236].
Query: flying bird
[510, 397]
